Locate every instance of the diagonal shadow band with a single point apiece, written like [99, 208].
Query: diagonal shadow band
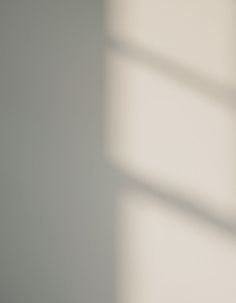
[178, 202]
[220, 92]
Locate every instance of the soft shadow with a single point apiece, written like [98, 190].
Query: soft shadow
[220, 92]
[188, 205]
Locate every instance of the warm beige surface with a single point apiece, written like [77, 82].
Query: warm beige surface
[171, 135]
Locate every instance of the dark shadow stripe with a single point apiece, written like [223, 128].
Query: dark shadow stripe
[154, 60]
[184, 204]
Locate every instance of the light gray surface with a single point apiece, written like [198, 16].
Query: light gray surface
[56, 202]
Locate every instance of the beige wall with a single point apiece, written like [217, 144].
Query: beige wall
[171, 135]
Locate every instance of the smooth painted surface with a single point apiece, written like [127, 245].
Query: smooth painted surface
[56, 205]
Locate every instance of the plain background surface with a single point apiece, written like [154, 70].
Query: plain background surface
[161, 112]
[56, 205]
[171, 88]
